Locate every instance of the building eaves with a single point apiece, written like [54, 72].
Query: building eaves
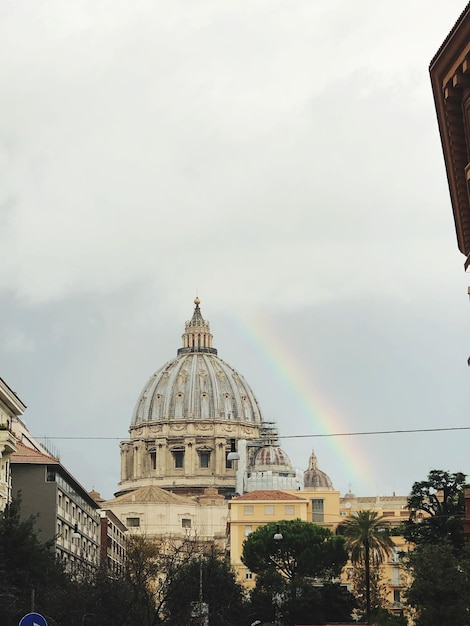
[149, 495]
[31, 456]
[266, 494]
[25, 454]
[9, 397]
[449, 36]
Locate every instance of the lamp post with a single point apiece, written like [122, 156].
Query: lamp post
[278, 537]
[200, 609]
[77, 536]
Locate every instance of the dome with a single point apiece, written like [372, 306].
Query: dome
[271, 457]
[271, 469]
[196, 385]
[188, 418]
[314, 477]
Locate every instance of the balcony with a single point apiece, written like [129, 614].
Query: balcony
[7, 441]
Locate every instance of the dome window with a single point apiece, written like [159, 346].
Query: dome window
[204, 459]
[178, 455]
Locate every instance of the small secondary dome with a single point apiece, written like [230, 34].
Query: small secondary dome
[314, 477]
[197, 384]
[271, 457]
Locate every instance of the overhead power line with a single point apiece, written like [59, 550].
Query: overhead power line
[346, 434]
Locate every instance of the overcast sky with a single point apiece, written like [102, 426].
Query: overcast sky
[280, 158]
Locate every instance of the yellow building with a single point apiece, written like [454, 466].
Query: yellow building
[394, 511]
[257, 508]
[323, 506]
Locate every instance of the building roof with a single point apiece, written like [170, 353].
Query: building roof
[31, 456]
[266, 494]
[9, 397]
[24, 454]
[450, 79]
[149, 495]
[452, 30]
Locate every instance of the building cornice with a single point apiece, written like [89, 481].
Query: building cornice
[12, 401]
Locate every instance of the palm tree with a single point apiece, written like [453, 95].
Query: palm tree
[367, 539]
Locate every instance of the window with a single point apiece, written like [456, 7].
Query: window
[248, 575]
[153, 459]
[133, 522]
[396, 596]
[248, 510]
[395, 576]
[289, 509]
[50, 476]
[186, 522]
[228, 464]
[179, 458]
[318, 513]
[204, 459]
[269, 509]
[248, 530]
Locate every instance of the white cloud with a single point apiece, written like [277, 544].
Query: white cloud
[274, 155]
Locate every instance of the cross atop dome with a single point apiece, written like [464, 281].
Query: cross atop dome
[197, 335]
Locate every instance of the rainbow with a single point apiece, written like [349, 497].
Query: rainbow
[314, 414]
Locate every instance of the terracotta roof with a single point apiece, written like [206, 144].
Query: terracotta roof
[267, 494]
[24, 454]
[96, 496]
[150, 495]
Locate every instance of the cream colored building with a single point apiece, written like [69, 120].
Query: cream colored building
[159, 513]
[394, 511]
[11, 407]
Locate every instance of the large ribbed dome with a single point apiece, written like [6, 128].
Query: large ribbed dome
[197, 384]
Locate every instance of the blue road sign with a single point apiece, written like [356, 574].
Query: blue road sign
[33, 619]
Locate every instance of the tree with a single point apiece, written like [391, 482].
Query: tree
[287, 568]
[441, 498]
[27, 567]
[208, 578]
[377, 586]
[440, 588]
[369, 542]
[304, 550]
